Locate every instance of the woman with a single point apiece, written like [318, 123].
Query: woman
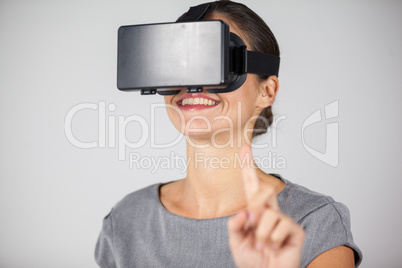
[233, 214]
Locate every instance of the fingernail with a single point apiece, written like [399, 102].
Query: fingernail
[260, 246]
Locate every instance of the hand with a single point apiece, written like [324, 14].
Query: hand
[263, 236]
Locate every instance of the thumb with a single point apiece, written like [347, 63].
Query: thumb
[236, 228]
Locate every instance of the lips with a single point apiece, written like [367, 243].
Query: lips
[196, 101]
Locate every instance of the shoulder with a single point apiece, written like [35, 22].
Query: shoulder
[326, 222]
[314, 211]
[121, 222]
[139, 200]
[298, 201]
[129, 209]
[148, 193]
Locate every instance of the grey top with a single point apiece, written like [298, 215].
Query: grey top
[140, 232]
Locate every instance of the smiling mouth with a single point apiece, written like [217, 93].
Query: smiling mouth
[197, 101]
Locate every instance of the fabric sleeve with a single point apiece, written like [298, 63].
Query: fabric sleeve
[327, 227]
[104, 246]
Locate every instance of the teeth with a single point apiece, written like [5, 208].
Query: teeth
[199, 101]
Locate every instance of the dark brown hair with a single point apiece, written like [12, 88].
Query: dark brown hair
[258, 35]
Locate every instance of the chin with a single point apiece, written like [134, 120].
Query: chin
[197, 135]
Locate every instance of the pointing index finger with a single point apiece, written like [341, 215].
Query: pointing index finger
[250, 178]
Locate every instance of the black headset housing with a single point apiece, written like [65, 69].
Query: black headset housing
[190, 53]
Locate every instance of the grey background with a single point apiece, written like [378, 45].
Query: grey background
[57, 54]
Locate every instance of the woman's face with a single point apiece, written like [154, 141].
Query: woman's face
[220, 116]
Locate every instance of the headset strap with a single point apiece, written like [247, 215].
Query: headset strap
[196, 13]
[262, 63]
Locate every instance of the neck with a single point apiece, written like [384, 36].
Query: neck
[214, 185]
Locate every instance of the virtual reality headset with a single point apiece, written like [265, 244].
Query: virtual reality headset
[189, 54]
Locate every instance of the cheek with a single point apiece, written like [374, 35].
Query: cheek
[172, 112]
[176, 117]
[247, 95]
[168, 99]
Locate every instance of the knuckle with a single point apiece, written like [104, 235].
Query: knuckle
[267, 221]
[275, 238]
[267, 192]
[261, 234]
[268, 189]
[289, 224]
[271, 214]
[253, 201]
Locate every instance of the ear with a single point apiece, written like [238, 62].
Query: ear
[269, 89]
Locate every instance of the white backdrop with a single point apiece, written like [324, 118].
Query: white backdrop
[55, 55]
